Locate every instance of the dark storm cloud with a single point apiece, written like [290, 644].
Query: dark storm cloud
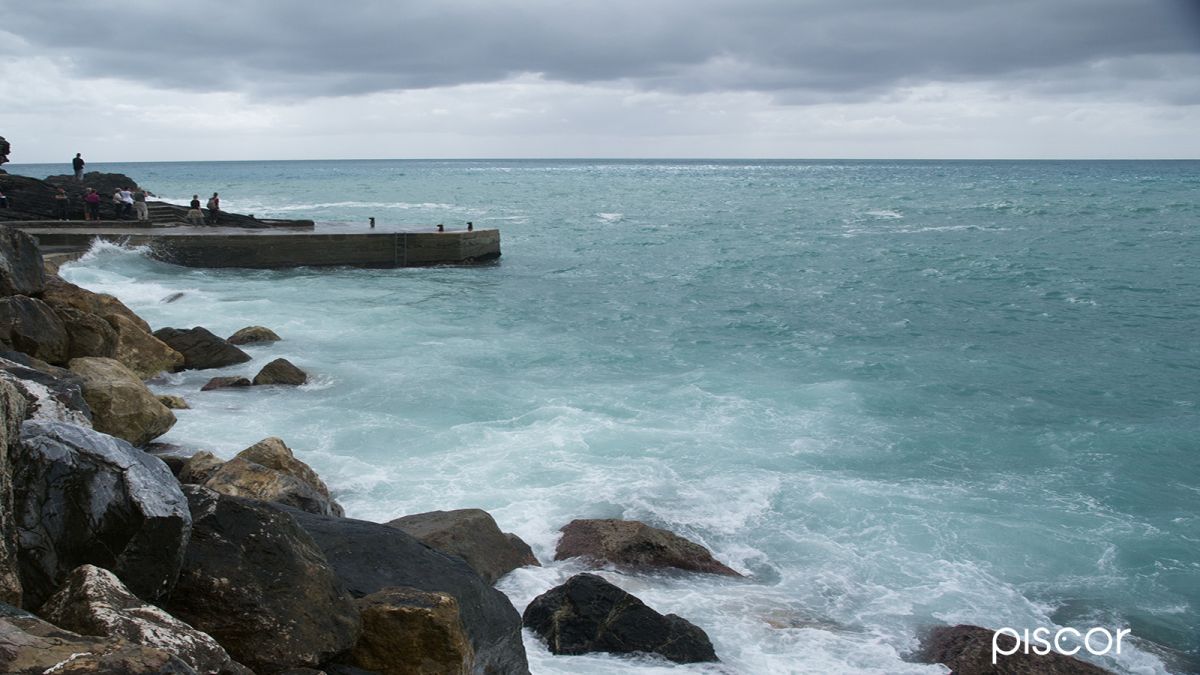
[822, 48]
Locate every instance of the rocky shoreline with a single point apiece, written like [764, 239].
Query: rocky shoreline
[114, 559]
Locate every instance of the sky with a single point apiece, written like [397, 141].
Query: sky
[164, 80]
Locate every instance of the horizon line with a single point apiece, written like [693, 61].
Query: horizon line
[628, 159]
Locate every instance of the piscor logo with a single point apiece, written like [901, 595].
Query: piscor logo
[1097, 641]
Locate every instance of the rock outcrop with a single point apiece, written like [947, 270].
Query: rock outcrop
[121, 404]
[588, 614]
[89, 498]
[281, 371]
[369, 557]
[635, 546]
[406, 631]
[12, 413]
[21, 271]
[967, 650]
[30, 326]
[253, 335]
[92, 601]
[200, 348]
[471, 534]
[255, 580]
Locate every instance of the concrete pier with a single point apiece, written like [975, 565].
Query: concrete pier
[275, 247]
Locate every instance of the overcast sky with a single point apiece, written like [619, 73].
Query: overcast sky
[295, 79]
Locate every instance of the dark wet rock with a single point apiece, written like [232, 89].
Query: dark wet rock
[369, 557]
[405, 630]
[30, 326]
[12, 413]
[226, 382]
[31, 646]
[92, 601]
[255, 580]
[173, 297]
[253, 335]
[88, 334]
[281, 371]
[200, 348]
[140, 351]
[471, 534]
[21, 271]
[632, 545]
[89, 498]
[199, 467]
[173, 402]
[242, 478]
[588, 614]
[967, 650]
[121, 403]
[53, 394]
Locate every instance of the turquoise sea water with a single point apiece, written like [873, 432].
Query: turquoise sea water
[895, 394]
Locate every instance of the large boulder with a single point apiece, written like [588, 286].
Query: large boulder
[635, 546]
[30, 326]
[242, 478]
[62, 293]
[967, 650]
[281, 371]
[471, 534]
[200, 348]
[253, 335]
[588, 614]
[31, 646]
[53, 394]
[410, 632]
[273, 453]
[140, 351]
[255, 580]
[12, 413]
[121, 404]
[369, 557]
[92, 601]
[89, 498]
[88, 334]
[20, 263]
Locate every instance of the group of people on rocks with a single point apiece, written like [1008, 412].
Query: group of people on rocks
[127, 204]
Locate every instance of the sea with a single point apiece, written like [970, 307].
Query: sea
[893, 394]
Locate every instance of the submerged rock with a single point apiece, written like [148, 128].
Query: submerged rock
[255, 580]
[967, 650]
[227, 382]
[173, 402]
[588, 614]
[253, 335]
[200, 348]
[281, 371]
[633, 545]
[405, 631]
[121, 404]
[89, 498]
[471, 534]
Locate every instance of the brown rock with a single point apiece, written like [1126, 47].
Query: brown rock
[12, 412]
[633, 545]
[406, 631]
[967, 650]
[199, 468]
[471, 534]
[62, 293]
[273, 453]
[227, 382]
[252, 335]
[281, 371]
[240, 477]
[121, 404]
[173, 402]
[140, 351]
[88, 334]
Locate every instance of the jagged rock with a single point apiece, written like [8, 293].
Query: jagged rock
[633, 545]
[62, 293]
[369, 557]
[92, 601]
[199, 467]
[121, 404]
[253, 335]
[53, 394]
[273, 453]
[241, 478]
[89, 498]
[174, 402]
[140, 351]
[88, 334]
[967, 650]
[588, 614]
[409, 632]
[30, 646]
[200, 348]
[12, 413]
[255, 580]
[281, 371]
[227, 382]
[30, 326]
[471, 534]
[21, 270]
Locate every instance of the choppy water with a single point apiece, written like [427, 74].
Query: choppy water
[895, 393]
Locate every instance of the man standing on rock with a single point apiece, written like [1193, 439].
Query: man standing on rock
[214, 209]
[78, 163]
[139, 205]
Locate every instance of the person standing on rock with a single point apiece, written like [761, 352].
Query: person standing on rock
[77, 164]
[60, 203]
[126, 203]
[139, 205]
[91, 202]
[194, 215]
[214, 209]
[117, 204]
